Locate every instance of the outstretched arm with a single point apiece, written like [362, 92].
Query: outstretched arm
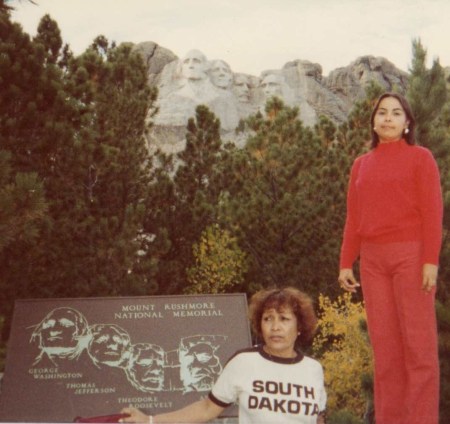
[197, 412]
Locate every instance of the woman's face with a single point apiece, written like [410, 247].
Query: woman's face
[279, 330]
[390, 120]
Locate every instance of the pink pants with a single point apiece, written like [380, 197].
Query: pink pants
[403, 333]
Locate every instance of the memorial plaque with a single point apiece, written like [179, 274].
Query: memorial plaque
[90, 357]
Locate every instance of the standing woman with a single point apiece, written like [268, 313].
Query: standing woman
[394, 223]
[273, 383]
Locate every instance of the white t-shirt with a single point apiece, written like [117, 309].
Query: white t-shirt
[271, 390]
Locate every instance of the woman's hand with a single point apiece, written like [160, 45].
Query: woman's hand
[134, 416]
[201, 411]
[429, 277]
[347, 280]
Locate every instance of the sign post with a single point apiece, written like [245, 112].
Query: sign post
[90, 357]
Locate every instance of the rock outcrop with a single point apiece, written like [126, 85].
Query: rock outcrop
[348, 83]
[156, 58]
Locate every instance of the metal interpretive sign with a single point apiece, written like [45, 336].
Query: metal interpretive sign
[71, 358]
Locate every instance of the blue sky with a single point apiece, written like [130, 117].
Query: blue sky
[256, 35]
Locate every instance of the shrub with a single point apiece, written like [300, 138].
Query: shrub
[343, 348]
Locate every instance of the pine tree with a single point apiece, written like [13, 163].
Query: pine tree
[189, 202]
[160, 222]
[32, 105]
[76, 125]
[22, 210]
[98, 238]
[22, 205]
[49, 36]
[427, 93]
[33, 118]
[280, 204]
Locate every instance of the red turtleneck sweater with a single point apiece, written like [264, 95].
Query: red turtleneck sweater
[394, 195]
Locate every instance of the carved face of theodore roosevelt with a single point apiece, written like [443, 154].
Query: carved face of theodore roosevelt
[146, 367]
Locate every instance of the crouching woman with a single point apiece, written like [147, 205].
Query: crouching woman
[272, 382]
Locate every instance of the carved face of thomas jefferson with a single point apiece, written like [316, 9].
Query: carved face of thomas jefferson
[108, 345]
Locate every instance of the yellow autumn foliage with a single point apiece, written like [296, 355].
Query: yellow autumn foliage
[343, 348]
[219, 262]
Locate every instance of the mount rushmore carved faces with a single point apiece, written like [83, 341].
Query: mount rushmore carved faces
[272, 85]
[241, 87]
[194, 65]
[220, 74]
[108, 345]
[145, 369]
[194, 81]
[60, 334]
[189, 81]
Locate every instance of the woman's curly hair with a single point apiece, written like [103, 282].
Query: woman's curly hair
[278, 299]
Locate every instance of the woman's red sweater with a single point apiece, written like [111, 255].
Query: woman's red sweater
[394, 195]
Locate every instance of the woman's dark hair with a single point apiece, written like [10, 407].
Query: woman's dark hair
[408, 136]
[278, 299]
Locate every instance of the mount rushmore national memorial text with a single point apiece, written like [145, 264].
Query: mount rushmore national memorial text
[94, 356]
[193, 79]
